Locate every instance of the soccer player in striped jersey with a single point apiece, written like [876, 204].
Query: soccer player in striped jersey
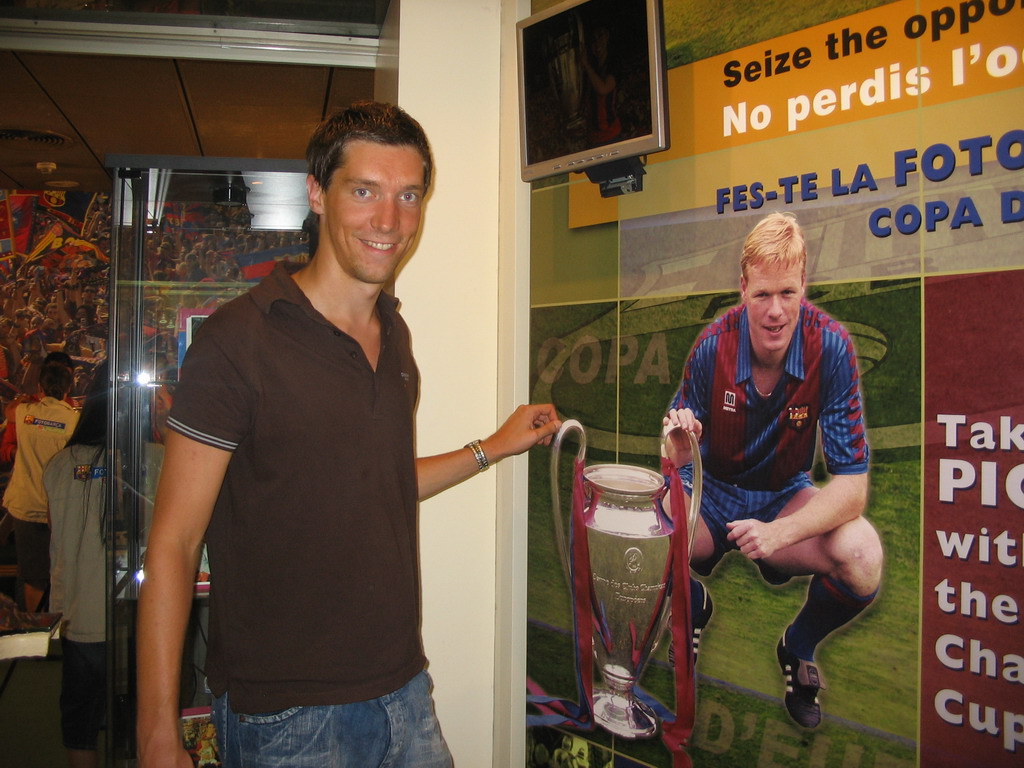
[758, 386]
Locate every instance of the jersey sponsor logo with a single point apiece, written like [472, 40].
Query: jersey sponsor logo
[798, 417]
[47, 424]
[89, 472]
[729, 401]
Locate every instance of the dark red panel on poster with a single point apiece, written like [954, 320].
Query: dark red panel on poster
[972, 692]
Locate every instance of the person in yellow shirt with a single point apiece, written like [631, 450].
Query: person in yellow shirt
[43, 430]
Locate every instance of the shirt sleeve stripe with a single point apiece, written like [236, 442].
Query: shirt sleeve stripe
[201, 437]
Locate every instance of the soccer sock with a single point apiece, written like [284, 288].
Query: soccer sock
[699, 613]
[829, 605]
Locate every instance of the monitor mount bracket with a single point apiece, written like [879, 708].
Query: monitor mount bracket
[618, 177]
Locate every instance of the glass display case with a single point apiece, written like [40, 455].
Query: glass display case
[188, 235]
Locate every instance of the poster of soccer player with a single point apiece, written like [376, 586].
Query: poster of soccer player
[855, 386]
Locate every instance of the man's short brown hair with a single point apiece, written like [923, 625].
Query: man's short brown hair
[372, 121]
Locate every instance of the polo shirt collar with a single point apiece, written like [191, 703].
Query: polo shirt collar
[279, 286]
[794, 355]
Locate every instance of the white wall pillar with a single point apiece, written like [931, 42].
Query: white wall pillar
[462, 295]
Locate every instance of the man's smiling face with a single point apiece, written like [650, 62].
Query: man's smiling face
[772, 296]
[370, 213]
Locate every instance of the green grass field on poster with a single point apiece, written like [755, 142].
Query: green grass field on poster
[695, 30]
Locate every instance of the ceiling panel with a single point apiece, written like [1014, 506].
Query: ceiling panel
[127, 105]
[348, 85]
[25, 105]
[120, 105]
[268, 108]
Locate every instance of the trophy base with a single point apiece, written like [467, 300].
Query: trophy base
[624, 716]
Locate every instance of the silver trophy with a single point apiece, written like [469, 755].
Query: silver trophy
[629, 540]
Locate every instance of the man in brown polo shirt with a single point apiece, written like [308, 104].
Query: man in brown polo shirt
[290, 447]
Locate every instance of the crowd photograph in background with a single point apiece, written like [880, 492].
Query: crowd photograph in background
[55, 252]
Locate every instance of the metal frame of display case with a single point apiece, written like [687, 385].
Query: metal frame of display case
[178, 200]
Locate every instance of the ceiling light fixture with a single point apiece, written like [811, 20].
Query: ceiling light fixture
[233, 194]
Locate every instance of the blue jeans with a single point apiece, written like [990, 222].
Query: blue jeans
[398, 730]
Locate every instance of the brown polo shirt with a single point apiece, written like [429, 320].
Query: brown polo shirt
[313, 544]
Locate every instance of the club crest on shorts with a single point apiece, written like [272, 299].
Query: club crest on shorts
[798, 416]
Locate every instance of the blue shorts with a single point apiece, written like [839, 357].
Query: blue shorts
[723, 503]
[397, 730]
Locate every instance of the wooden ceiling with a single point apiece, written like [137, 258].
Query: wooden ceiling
[76, 109]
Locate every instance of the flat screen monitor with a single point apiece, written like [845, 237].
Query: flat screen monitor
[591, 85]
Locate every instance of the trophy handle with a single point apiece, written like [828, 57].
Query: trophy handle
[568, 425]
[696, 492]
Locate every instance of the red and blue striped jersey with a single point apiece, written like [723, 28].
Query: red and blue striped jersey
[761, 443]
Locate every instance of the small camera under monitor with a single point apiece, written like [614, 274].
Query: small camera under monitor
[592, 91]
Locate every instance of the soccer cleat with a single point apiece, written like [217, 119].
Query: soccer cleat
[803, 682]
